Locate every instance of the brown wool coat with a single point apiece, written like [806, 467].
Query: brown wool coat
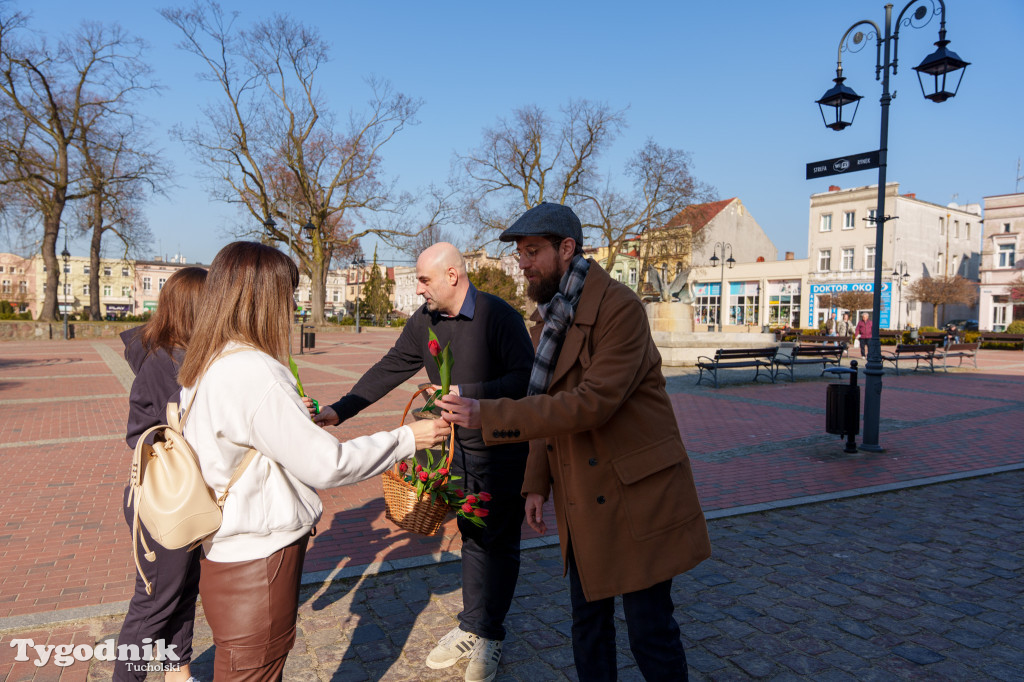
[605, 442]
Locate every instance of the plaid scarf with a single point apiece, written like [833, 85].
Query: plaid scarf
[558, 314]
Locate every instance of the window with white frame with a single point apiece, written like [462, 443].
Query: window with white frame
[1000, 313]
[1007, 256]
[869, 258]
[67, 289]
[967, 230]
[825, 224]
[632, 276]
[106, 271]
[126, 291]
[956, 229]
[86, 270]
[160, 283]
[824, 260]
[1006, 228]
[5, 286]
[847, 263]
[107, 289]
[872, 212]
[22, 287]
[849, 220]
[85, 290]
[147, 284]
[1, 268]
[124, 272]
[942, 226]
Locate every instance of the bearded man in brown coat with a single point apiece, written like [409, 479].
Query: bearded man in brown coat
[605, 443]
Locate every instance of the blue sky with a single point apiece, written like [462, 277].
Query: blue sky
[733, 83]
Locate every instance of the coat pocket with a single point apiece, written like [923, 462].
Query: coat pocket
[657, 488]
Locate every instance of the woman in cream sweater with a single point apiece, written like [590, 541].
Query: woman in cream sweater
[243, 396]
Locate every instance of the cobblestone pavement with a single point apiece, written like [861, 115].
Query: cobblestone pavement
[66, 571]
[922, 583]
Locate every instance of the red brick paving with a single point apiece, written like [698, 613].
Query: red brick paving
[65, 543]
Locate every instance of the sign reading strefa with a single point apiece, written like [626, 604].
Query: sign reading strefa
[843, 164]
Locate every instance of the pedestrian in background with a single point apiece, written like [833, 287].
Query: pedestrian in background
[605, 443]
[863, 332]
[845, 330]
[154, 351]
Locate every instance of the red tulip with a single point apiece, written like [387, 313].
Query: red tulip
[434, 347]
[419, 468]
[486, 497]
[423, 476]
[468, 508]
[442, 472]
[471, 499]
[460, 493]
[479, 511]
[403, 467]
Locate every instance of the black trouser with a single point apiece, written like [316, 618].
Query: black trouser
[653, 632]
[490, 555]
[169, 613]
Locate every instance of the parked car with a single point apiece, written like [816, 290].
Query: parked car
[965, 325]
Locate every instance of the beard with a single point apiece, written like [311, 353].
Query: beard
[544, 289]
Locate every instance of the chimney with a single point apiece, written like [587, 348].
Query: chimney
[789, 255]
[834, 188]
[910, 195]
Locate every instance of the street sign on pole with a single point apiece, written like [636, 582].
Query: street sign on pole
[843, 164]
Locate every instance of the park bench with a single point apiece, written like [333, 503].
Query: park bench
[938, 338]
[730, 358]
[918, 352]
[1003, 337]
[820, 339]
[895, 334]
[961, 351]
[809, 355]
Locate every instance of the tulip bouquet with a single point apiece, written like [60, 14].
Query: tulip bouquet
[435, 478]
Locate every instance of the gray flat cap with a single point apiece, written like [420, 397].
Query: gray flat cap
[546, 219]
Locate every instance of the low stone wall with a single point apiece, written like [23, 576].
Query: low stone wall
[679, 349]
[25, 330]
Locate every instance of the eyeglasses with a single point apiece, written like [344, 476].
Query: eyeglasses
[530, 252]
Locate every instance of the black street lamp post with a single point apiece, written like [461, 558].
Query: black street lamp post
[66, 257]
[900, 276]
[939, 67]
[715, 261]
[358, 263]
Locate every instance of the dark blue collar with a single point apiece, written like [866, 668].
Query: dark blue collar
[468, 309]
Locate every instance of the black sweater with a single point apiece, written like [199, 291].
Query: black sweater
[155, 385]
[492, 356]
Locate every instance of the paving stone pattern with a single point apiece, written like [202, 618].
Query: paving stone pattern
[917, 584]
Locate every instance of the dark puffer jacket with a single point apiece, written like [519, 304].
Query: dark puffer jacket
[156, 384]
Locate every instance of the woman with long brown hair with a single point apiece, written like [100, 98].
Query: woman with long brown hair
[155, 351]
[243, 397]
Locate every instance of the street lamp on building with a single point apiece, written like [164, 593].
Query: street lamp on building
[66, 257]
[900, 276]
[940, 70]
[722, 246]
[359, 263]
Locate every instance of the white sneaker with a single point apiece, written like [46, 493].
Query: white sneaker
[483, 660]
[456, 645]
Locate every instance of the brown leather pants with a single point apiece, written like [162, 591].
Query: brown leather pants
[251, 607]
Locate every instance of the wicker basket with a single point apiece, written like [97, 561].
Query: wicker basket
[403, 507]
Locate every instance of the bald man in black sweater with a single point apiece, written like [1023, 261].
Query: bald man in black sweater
[493, 357]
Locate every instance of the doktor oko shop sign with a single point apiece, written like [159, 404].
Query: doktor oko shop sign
[838, 287]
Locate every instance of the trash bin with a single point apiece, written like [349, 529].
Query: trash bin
[842, 406]
[309, 336]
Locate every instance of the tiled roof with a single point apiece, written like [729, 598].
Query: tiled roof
[699, 215]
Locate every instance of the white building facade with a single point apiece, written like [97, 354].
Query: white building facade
[1001, 262]
[921, 238]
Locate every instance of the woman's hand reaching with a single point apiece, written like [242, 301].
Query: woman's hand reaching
[429, 432]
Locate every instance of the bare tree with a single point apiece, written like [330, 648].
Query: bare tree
[275, 148]
[528, 159]
[954, 290]
[119, 170]
[662, 186]
[46, 93]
